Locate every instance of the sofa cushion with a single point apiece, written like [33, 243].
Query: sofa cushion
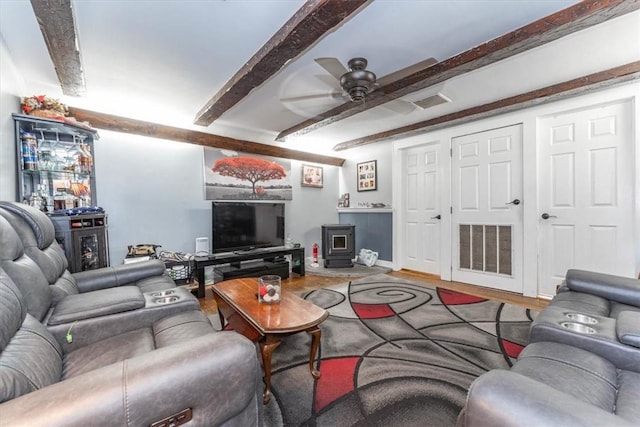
[96, 304]
[180, 328]
[629, 396]
[579, 302]
[37, 234]
[108, 351]
[64, 285]
[571, 370]
[24, 272]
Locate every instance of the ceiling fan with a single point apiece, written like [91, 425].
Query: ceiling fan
[356, 82]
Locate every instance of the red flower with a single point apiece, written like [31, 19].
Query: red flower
[40, 98]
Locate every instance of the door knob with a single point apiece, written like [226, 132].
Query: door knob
[547, 216]
[436, 217]
[513, 202]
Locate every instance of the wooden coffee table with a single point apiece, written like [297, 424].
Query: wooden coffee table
[267, 324]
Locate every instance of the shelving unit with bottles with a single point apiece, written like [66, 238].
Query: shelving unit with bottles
[55, 163]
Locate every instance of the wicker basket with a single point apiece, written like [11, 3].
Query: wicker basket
[48, 114]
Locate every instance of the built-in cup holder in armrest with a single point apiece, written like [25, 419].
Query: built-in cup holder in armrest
[578, 327]
[163, 293]
[166, 300]
[167, 297]
[581, 318]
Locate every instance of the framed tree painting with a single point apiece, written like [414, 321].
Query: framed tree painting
[229, 175]
[311, 176]
[368, 176]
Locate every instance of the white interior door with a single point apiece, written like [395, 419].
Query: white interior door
[487, 208]
[585, 193]
[422, 209]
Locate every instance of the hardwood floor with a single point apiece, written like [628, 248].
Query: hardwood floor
[300, 284]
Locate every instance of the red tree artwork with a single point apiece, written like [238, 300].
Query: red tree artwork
[249, 169]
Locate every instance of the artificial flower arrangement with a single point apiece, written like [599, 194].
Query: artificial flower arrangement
[44, 106]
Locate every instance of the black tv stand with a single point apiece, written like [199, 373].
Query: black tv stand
[254, 263]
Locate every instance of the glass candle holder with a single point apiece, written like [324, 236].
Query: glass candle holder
[269, 289]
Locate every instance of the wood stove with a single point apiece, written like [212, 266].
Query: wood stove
[338, 245]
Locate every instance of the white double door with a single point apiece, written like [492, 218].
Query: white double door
[487, 202]
[484, 221]
[422, 213]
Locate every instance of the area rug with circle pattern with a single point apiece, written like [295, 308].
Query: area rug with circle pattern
[393, 353]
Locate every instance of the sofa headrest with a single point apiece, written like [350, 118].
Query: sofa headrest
[40, 224]
[12, 310]
[11, 247]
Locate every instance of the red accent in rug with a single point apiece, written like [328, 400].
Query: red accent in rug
[372, 311]
[335, 381]
[510, 348]
[449, 297]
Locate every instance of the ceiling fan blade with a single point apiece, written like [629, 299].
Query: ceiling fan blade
[332, 65]
[332, 95]
[328, 80]
[399, 106]
[397, 75]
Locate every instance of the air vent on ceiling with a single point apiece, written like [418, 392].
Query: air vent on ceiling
[432, 101]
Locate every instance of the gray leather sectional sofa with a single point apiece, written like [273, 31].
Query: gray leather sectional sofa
[581, 368]
[115, 346]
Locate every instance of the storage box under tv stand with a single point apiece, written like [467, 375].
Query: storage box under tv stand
[253, 263]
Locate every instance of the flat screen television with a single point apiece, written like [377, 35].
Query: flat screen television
[243, 226]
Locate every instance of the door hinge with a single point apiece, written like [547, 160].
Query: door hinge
[451, 210]
[451, 152]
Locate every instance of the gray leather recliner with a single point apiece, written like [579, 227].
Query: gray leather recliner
[95, 303]
[582, 367]
[114, 346]
[37, 236]
[176, 367]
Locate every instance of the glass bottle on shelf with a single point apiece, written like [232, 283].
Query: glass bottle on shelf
[29, 151]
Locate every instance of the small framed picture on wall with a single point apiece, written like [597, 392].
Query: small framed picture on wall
[311, 176]
[367, 175]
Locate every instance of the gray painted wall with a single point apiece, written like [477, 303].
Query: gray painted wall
[153, 192]
[10, 90]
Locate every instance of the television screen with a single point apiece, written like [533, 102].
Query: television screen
[241, 226]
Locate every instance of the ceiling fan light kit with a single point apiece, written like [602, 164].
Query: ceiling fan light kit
[358, 82]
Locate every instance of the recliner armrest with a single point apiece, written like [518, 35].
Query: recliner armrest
[628, 328]
[625, 290]
[118, 275]
[501, 398]
[96, 304]
[216, 375]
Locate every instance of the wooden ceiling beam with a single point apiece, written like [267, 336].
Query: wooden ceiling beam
[574, 18]
[579, 86]
[154, 130]
[310, 23]
[57, 24]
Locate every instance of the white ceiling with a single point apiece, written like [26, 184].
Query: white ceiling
[161, 61]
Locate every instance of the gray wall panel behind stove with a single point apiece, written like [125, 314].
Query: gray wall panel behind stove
[373, 231]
